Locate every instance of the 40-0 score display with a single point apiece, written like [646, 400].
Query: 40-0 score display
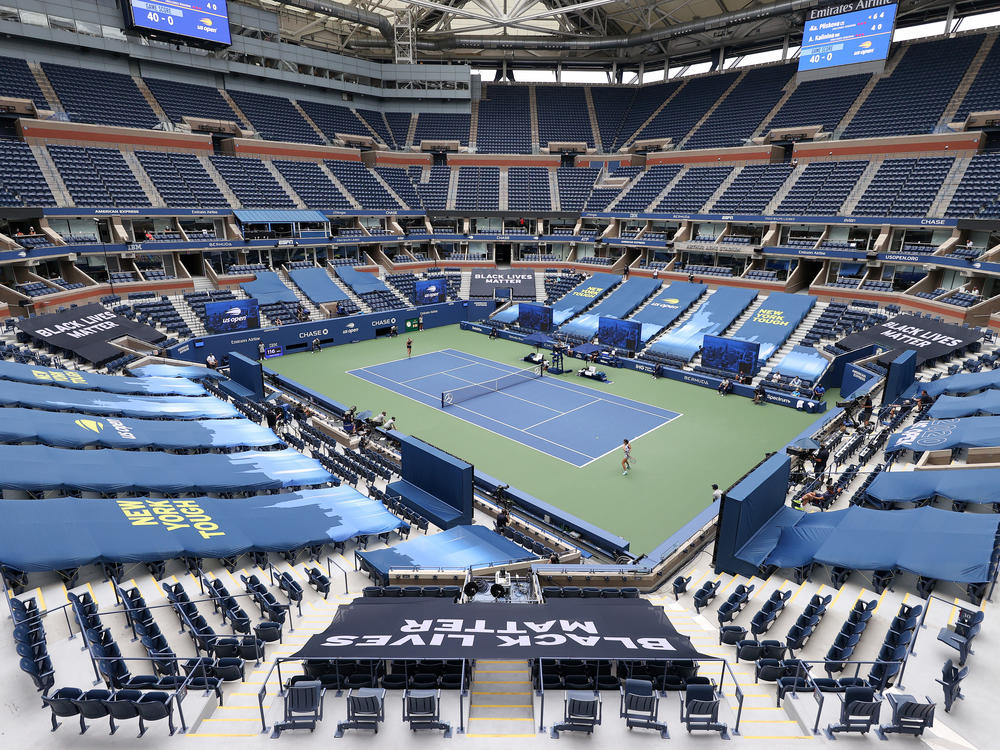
[202, 20]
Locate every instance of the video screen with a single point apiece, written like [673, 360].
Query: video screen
[620, 334]
[534, 317]
[431, 291]
[231, 315]
[844, 39]
[731, 355]
[206, 21]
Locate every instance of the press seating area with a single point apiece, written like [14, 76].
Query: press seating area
[761, 275]
[98, 177]
[441, 126]
[845, 282]
[528, 189]
[693, 189]
[962, 299]
[179, 99]
[595, 261]
[932, 295]
[700, 270]
[36, 289]
[245, 268]
[904, 187]
[478, 188]
[274, 117]
[361, 183]
[647, 187]
[312, 185]
[877, 286]
[820, 102]
[563, 115]
[753, 188]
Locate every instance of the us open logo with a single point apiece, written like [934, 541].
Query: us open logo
[449, 398]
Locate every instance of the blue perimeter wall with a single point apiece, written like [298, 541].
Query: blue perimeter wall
[330, 331]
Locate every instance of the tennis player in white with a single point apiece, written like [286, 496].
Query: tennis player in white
[627, 448]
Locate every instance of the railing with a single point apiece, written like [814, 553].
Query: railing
[329, 571]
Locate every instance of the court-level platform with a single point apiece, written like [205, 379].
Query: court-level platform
[571, 422]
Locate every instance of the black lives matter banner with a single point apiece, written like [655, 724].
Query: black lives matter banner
[484, 282]
[562, 628]
[930, 339]
[86, 331]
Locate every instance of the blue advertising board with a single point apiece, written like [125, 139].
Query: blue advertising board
[860, 35]
[231, 315]
[731, 355]
[202, 20]
[620, 334]
[431, 291]
[534, 317]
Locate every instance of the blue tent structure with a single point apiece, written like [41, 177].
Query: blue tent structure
[945, 434]
[92, 381]
[950, 407]
[960, 485]
[960, 383]
[40, 535]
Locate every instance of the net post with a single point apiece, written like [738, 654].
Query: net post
[442, 399]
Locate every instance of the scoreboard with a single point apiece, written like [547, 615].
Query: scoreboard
[197, 21]
[851, 38]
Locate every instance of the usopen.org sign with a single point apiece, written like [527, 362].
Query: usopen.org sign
[231, 315]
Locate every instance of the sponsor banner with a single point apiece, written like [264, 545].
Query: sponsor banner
[534, 317]
[231, 315]
[431, 291]
[485, 282]
[86, 331]
[515, 238]
[563, 628]
[777, 219]
[930, 339]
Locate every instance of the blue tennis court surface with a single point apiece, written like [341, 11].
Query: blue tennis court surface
[563, 419]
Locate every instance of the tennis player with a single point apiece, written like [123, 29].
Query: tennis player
[409, 347]
[543, 367]
[627, 448]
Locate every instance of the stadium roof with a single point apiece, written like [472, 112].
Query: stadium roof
[578, 33]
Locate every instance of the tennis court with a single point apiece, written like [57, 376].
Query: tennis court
[572, 422]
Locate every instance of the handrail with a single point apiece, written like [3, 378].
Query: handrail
[461, 700]
[178, 694]
[738, 693]
[329, 571]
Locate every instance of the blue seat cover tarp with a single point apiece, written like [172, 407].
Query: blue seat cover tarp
[773, 322]
[192, 372]
[960, 384]
[963, 485]
[713, 316]
[951, 407]
[360, 282]
[584, 326]
[317, 285]
[92, 381]
[667, 307]
[75, 430]
[930, 542]
[803, 362]
[268, 288]
[585, 293]
[459, 547]
[37, 535]
[941, 434]
[92, 402]
[37, 468]
[625, 298]
[508, 315]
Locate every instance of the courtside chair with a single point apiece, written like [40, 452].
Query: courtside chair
[422, 710]
[581, 712]
[640, 707]
[303, 706]
[365, 710]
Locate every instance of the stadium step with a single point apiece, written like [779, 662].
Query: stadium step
[220, 183]
[595, 128]
[502, 192]
[949, 186]
[860, 187]
[539, 287]
[299, 203]
[244, 120]
[411, 130]
[966, 83]
[46, 86]
[533, 109]
[667, 188]
[723, 187]
[143, 179]
[786, 95]
[785, 189]
[473, 124]
[710, 110]
[452, 189]
[316, 128]
[500, 701]
[340, 186]
[52, 177]
[554, 190]
[629, 137]
[867, 90]
[150, 99]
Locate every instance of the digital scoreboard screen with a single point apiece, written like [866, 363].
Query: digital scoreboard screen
[192, 20]
[847, 34]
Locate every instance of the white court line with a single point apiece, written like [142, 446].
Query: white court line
[451, 411]
[441, 372]
[562, 414]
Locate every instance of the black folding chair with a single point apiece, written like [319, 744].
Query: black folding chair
[303, 706]
[700, 710]
[908, 716]
[581, 712]
[640, 707]
[422, 710]
[365, 710]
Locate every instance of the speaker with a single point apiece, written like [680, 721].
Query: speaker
[471, 589]
[497, 591]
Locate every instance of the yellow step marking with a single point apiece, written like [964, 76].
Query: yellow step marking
[835, 598]
[41, 599]
[726, 587]
[797, 592]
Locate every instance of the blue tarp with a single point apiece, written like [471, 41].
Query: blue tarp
[941, 434]
[91, 402]
[360, 282]
[268, 288]
[37, 535]
[584, 326]
[74, 430]
[626, 298]
[92, 381]
[667, 307]
[508, 315]
[961, 383]
[950, 407]
[191, 372]
[38, 468]
[963, 485]
[803, 362]
[712, 317]
[773, 322]
[460, 547]
[584, 294]
[278, 216]
[317, 285]
[928, 541]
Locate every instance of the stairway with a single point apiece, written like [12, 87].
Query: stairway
[219, 181]
[632, 136]
[411, 131]
[540, 295]
[966, 83]
[867, 90]
[594, 127]
[682, 319]
[340, 186]
[452, 189]
[500, 701]
[624, 190]
[669, 186]
[314, 312]
[465, 287]
[533, 109]
[52, 177]
[150, 99]
[143, 179]
[46, 86]
[308, 119]
[279, 178]
[788, 91]
[554, 200]
[949, 186]
[785, 189]
[473, 125]
[244, 120]
[859, 189]
[503, 196]
[723, 187]
[371, 131]
[348, 291]
[711, 109]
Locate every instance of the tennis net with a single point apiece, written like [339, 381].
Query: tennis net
[458, 395]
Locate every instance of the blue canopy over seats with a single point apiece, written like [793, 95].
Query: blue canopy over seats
[585, 293]
[317, 285]
[268, 288]
[803, 362]
[361, 282]
[92, 381]
[942, 434]
[960, 383]
[962, 485]
[950, 407]
[39, 468]
[773, 322]
[712, 317]
[618, 304]
[667, 307]
[60, 533]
